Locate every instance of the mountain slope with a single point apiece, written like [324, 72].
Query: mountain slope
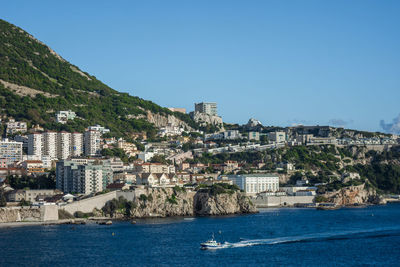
[35, 83]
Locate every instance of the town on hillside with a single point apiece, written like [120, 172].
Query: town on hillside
[41, 167]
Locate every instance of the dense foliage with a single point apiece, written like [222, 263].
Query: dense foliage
[27, 62]
[32, 182]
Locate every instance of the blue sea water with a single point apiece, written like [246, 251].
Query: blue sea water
[274, 237]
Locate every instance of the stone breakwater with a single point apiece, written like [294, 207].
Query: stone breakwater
[166, 202]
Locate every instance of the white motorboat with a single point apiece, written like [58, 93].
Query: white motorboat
[210, 244]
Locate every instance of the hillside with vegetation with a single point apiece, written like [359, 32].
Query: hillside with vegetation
[35, 82]
[331, 166]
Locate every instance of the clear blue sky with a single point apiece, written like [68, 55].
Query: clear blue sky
[282, 62]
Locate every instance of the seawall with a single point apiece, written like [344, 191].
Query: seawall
[29, 214]
[281, 201]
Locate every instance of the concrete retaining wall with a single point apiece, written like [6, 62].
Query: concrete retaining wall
[277, 201]
[87, 205]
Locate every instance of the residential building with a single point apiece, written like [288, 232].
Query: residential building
[129, 148]
[231, 135]
[63, 145]
[304, 138]
[35, 144]
[92, 142]
[145, 156]
[99, 128]
[33, 166]
[76, 144]
[63, 116]
[31, 195]
[153, 179]
[278, 137]
[80, 178]
[253, 184]
[253, 136]
[50, 144]
[3, 163]
[11, 151]
[154, 168]
[322, 141]
[208, 108]
[16, 127]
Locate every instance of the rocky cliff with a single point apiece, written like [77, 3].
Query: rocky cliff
[354, 195]
[166, 202]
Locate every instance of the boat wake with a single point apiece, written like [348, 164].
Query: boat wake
[316, 237]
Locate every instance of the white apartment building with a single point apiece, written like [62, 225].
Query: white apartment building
[99, 128]
[64, 115]
[208, 108]
[35, 144]
[63, 145]
[16, 126]
[76, 144]
[92, 143]
[11, 151]
[50, 144]
[253, 184]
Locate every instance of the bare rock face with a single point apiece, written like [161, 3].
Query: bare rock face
[165, 202]
[204, 119]
[354, 195]
[161, 120]
[222, 204]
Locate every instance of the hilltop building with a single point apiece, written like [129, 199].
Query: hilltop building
[15, 127]
[64, 115]
[209, 108]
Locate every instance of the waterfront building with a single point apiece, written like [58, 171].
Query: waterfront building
[92, 142]
[11, 151]
[253, 184]
[209, 108]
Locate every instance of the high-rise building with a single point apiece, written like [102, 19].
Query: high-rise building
[50, 144]
[83, 178]
[11, 151]
[208, 108]
[76, 144]
[63, 145]
[92, 143]
[35, 144]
